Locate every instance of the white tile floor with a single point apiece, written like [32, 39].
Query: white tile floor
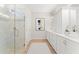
[39, 48]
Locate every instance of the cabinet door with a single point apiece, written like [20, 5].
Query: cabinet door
[53, 40]
[60, 45]
[72, 47]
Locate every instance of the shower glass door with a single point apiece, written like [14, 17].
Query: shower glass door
[19, 30]
[6, 30]
[12, 29]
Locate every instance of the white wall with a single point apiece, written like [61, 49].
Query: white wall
[73, 16]
[68, 19]
[54, 23]
[77, 12]
[57, 22]
[65, 19]
[28, 18]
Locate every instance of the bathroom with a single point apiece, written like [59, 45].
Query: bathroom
[54, 25]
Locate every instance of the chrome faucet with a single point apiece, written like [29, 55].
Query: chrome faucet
[73, 28]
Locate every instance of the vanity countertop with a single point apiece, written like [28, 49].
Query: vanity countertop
[76, 38]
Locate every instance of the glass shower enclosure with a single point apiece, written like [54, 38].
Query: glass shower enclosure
[12, 29]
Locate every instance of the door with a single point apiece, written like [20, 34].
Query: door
[19, 31]
[61, 45]
[6, 30]
[12, 29]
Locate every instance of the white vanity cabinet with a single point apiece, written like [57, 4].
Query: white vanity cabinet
[72, 47]
[53, 41]
[60, 44]
[66, 46]
[63, 45]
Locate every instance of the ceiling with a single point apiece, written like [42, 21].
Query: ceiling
[41, 7]
[44, 7]
[75, 5]
[47, 8]
[36, 7]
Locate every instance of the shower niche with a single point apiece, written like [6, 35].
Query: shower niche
[40, 24]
